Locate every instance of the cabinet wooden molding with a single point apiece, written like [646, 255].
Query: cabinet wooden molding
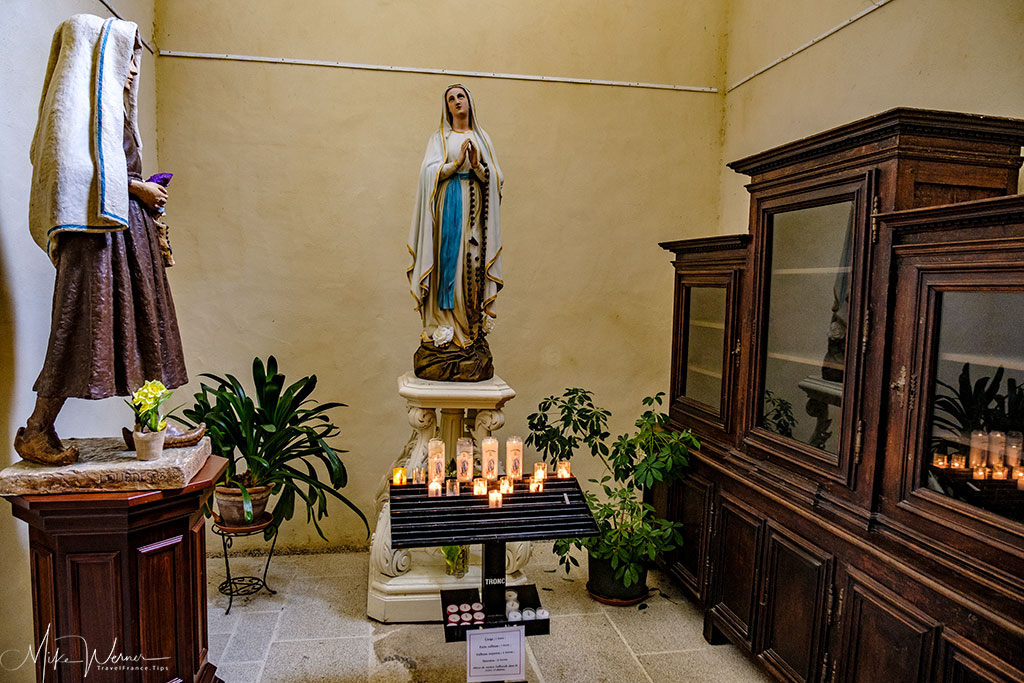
[862, 333]
[882, 636]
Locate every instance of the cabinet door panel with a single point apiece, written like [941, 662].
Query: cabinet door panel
[694, 511]
[964, 662]
[796, 578]
[883, 637]
[738, 542]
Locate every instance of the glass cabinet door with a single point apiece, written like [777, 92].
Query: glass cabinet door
[705, 345]
[807, 318]
[976, 416]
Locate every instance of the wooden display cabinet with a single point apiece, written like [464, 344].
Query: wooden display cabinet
[882, 257]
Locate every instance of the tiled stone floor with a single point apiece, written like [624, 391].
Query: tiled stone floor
[315, 629]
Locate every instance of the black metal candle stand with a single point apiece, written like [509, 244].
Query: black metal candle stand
[559, 511]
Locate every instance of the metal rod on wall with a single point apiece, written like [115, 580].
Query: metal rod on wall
[823, 36]
[444, 72]
[117, 15]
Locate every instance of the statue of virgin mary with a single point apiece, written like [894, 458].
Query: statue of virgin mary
[455, 244]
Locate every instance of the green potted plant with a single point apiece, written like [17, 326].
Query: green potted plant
[273, 445]
[150, 426]
[630, 536]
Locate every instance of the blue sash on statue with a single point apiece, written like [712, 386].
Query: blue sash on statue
[451, 237]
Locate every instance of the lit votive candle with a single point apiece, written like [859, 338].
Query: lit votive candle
[505, 485]
[1000, 472]
[464, 459]
[540, 471]
[489, 458]
[434, 489]
[536, 485]
[981, 472]
[1017, 472]
[996, 448]
[435, 460]
[979, 444]
[958, 461]
[494, 499]
[564, 469]
[940, 460]
[398, 476]
[514, 457]
[452, 487]
[1014, 442]
[479, 486]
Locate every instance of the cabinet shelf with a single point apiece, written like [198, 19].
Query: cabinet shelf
[1016, 364]
[835, 270]
[813, 362]
[708, 324]
[704, 371]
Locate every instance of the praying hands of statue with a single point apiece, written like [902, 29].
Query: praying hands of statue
[152, 195]
[468, 148]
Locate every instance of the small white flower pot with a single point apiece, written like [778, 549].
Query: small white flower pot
[148, 445]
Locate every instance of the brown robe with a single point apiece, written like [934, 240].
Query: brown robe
[113, 325]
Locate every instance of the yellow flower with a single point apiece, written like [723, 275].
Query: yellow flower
[162, 425]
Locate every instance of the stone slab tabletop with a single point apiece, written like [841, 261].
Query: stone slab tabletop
[104, 465]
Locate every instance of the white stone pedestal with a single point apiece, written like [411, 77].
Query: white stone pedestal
[405, 585]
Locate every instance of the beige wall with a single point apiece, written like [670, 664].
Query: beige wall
[296, 185]
[26, 276]
[933, 54]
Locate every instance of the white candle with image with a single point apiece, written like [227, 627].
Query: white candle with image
[489, 457]
[435, 460]
[979, 444]
[464, 459]
[564, 469]
[1014, 442]
[996, 447]
[514, 457]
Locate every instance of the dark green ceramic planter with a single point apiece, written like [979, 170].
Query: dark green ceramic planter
[604, 587]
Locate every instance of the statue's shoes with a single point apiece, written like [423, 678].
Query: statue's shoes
[44, 448]
[181, 438]
[175, 437]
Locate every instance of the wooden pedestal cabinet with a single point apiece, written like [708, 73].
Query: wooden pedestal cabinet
[854, 370]
[119, 583]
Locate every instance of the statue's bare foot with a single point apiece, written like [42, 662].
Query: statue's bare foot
[43, 447]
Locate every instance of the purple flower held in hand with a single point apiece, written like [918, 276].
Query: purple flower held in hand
[160, 178]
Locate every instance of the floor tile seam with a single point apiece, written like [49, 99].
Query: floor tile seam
[266, 650]
[673, 652]
[534, 663]
[313, 640]
[629, 649]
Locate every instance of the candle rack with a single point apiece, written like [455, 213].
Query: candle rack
[560, 511]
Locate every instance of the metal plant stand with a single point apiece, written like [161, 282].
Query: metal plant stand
[244, 585]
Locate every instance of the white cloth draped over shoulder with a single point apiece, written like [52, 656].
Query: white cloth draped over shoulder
[79, 182]
[424, 235]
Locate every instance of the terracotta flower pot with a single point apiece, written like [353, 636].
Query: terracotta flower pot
[230, 506]
[148, 445]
